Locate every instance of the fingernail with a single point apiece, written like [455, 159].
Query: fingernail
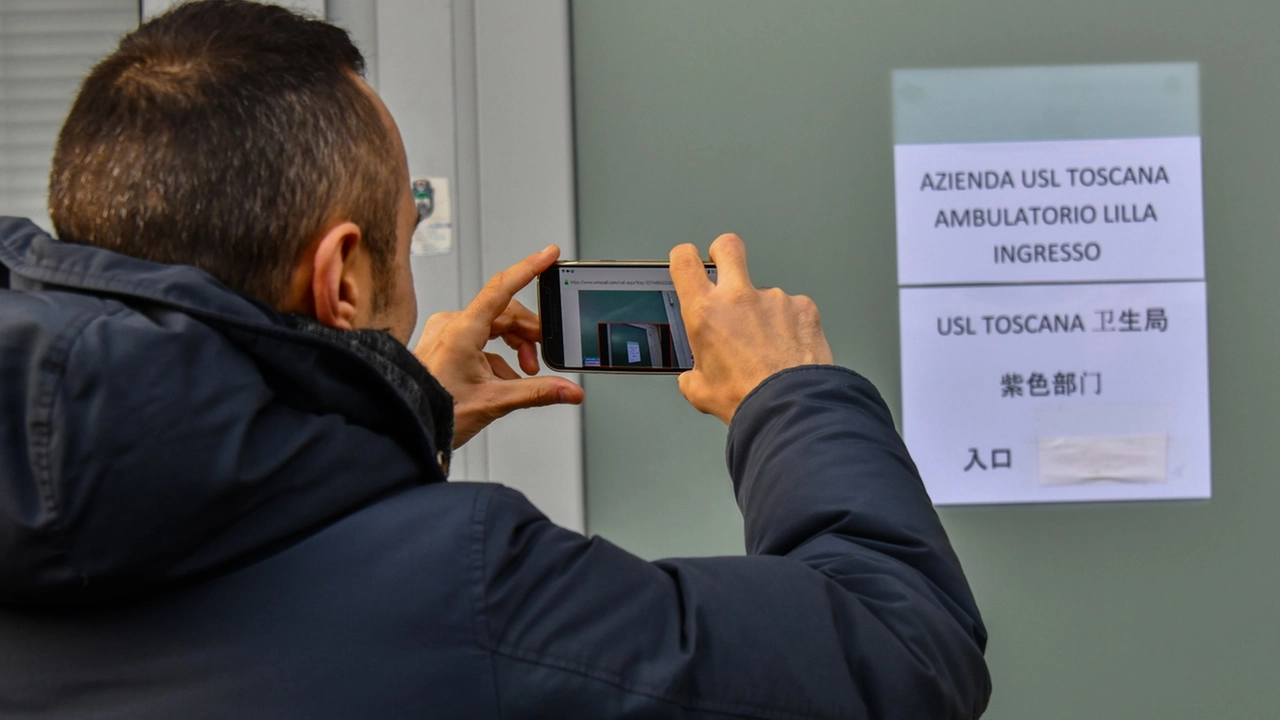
[548, 248]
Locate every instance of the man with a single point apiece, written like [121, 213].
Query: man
[222, 475]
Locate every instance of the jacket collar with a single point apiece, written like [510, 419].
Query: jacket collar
[37, 261]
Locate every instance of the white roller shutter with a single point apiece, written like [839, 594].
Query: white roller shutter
[46, 48]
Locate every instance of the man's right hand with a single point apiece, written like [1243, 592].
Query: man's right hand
[739, 335]
[484, 386]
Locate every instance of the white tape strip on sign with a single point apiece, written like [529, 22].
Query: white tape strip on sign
[1117, 458]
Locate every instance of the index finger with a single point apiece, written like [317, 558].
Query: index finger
[730, 256]
[497, 294]
[517, 322]
[688, 274]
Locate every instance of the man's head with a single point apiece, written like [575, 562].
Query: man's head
[239, 138]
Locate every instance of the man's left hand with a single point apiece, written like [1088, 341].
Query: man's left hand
[484, 386]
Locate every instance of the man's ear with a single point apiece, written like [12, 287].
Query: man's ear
[335, 284]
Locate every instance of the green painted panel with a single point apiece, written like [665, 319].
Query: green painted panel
[774, 120]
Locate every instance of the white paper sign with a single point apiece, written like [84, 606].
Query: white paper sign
[1001, 385]
[1049, 211]
[1051, 292]
[434, 234]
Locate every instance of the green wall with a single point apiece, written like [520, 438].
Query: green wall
[773, 119]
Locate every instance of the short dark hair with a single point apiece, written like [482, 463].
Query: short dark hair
[225, 134]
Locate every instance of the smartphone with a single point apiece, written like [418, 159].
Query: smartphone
[614, 317]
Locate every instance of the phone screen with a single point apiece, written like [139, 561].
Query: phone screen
[614, 318]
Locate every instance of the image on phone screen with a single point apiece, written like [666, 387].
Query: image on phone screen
[620, 317]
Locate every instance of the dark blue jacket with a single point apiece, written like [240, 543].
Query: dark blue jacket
[204, 513]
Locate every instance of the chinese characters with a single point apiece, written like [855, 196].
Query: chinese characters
[1059, 384]
[1130, 320]
[1000, 459]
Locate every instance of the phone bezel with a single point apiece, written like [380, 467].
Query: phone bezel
[552, 318]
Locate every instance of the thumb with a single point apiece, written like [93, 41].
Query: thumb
[511, 395]
[689, 387]
[694, 386]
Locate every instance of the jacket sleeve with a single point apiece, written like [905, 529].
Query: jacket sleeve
[849, 604]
